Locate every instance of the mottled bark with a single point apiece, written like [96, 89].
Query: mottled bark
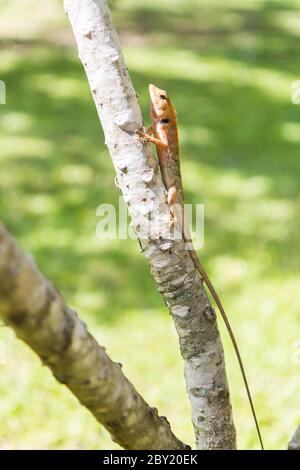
[140, 182]
[294, 443]
[39, 316]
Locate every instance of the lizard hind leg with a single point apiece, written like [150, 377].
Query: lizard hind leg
[176, 218]
[172, 198]
[176, 210]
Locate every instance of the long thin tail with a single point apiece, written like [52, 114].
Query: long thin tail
[216, 298]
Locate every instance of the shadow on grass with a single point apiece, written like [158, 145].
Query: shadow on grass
[264, 33]
[55, 169]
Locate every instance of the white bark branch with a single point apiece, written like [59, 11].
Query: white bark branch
[39, 316]
[143, 191]
[294, 443]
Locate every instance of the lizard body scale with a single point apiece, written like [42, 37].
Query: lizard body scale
[163, 133]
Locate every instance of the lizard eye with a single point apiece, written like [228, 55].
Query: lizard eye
[164, 121]
[163, 97]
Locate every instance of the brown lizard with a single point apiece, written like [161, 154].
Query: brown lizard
[163, 132]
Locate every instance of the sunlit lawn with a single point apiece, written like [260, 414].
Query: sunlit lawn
[229, 67]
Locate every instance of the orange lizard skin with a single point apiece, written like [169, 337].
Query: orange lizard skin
[163, 133]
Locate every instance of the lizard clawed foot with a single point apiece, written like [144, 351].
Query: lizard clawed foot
[141, 132]
[144, 137]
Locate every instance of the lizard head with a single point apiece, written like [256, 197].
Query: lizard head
[161, 106]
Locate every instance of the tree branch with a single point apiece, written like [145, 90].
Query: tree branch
[39, 316]
[143, 191]
[294, 443]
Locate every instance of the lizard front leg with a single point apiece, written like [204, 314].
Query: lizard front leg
[147, 136]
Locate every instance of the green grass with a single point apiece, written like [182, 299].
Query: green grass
[228, 67]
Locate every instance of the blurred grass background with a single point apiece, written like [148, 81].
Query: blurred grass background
[228, 67]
